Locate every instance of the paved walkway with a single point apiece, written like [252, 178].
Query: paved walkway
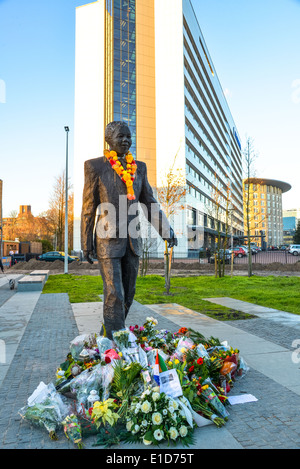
[36, 329]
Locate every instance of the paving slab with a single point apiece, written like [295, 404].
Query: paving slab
[15, 314]
[282, 317]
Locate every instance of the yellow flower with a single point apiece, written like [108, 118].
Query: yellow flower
[60, 374]
[120, 354]
[129, 158]
[176, 361]
[103, 411]
[170, 363]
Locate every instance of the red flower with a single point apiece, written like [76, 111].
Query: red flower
[191, 369]
[136, 326]
[200, 361]
[107, 359]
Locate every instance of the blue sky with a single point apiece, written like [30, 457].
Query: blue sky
[254, 45]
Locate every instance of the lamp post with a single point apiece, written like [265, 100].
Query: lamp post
[66, 204]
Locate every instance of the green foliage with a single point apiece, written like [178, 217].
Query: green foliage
[46, 245]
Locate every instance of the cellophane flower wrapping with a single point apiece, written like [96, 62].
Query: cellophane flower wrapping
[89, 380]
[121, 339]
[45, 409]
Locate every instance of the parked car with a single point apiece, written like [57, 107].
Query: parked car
[76, 258]
[254, 248]
[52, 256]
[239, 252]
[294, 249]
[221, 256]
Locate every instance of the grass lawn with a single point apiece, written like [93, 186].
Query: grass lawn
[281, 293]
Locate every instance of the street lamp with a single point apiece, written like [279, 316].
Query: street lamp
[66, 208]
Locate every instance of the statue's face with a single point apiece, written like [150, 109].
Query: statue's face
[121, 140]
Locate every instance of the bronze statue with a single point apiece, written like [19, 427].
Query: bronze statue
[113, 186]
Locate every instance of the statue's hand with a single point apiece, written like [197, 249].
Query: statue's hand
[172, 241]
[87, 255]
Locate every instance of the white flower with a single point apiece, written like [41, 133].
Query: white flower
[136, 429]
[146, 407]
[183, 431]
[155, 396]
[173, 433]
[175, 405]
[156, 389]
[147, 392]
[171, 409]
[129, 425]
[165, 411]
[157, 418]
[158, 435]
[147, 442]
[144, 423]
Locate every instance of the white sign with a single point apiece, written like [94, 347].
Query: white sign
[169, 383]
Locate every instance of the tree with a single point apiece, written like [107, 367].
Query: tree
[297, 234]
[170, 195]
[249, 158]
[220, 212]
[149, 243]
[56, 212]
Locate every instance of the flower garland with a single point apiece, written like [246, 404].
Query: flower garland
[127, 175]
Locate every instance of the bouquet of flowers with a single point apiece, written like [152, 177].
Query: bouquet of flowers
[45, 409]
[44, 415]
[154, 417]
[72, 430]
[121, 339]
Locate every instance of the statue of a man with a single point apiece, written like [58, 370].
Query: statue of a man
[113, 186]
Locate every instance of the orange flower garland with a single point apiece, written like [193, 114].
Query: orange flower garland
[127, 175]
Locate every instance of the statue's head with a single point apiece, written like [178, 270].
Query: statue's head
[118, 137]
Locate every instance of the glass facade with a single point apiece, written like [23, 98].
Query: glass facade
[124, 65]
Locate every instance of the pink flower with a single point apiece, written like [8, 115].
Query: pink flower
[142, 328]
[131, 328]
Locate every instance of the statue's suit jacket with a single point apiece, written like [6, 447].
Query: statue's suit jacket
[108, 218]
